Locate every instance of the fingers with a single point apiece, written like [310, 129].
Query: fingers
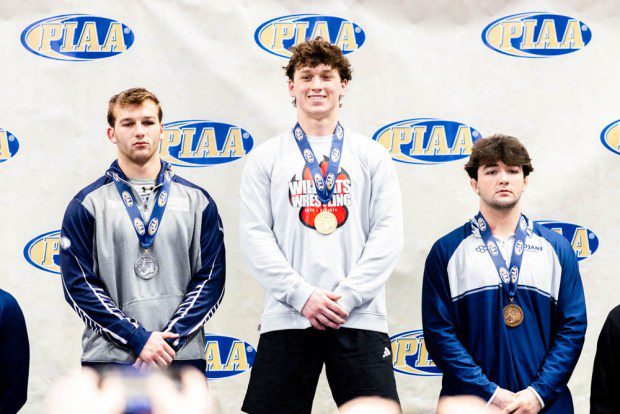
[316, 324]
[326, 322]
[332, 295]
[330, 314]
[168, 350]
[167, 335]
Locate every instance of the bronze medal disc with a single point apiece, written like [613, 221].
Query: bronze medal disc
[513, 315]
[325, 222]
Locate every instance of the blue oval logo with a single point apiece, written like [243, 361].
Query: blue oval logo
[227, 356]
[9, 145]
[77, 37]
[409, 355]
[610, 137]
[583, 240]
[427, 140]
[43, 252]
[198, 143]
[536, 35]
[278, 35]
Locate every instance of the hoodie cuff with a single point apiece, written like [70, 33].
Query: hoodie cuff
[138, 339]
[348, 300]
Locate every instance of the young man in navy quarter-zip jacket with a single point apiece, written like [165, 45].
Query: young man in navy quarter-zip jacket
[142, 251]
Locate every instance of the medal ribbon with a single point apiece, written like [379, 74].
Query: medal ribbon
[508, 278]
[146, 233]
[324, 185]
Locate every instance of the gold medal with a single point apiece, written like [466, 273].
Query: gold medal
[325, 222]
[513, 315]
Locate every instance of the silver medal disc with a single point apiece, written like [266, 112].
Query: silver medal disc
[325, 222]
[146, 267]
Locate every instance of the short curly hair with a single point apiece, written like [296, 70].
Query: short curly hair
[498, 147]
[315, 52]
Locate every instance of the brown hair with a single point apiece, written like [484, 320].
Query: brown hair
[313, 53]
[498, 147]
[133, 96]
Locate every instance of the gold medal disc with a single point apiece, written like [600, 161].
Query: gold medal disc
[513, 315]
[325, 222]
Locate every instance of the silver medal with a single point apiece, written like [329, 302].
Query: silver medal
[146, 267]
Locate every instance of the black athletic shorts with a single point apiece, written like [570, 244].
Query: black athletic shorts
[288, 364]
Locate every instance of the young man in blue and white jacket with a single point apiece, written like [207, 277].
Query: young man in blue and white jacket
[142, 251]
[502, 302]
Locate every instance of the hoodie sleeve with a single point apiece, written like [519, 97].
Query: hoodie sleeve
[206, 287]
[85, 291]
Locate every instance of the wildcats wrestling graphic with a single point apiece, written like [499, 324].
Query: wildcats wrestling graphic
[302, 195]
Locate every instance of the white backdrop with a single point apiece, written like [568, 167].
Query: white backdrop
[419, 59]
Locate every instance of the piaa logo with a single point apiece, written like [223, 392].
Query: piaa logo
[9, 145]
[536, 35]
[197, 143]
[77, 37]
[43, 252]
[278, 35]
[583, 240]
[610, 137]
[409, 355]
[427, 140]
[227, 356]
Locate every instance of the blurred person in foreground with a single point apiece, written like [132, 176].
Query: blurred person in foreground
[605, 390]
[14, 355]
[503, 307]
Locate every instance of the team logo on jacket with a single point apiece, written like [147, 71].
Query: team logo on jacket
[536, 35]
[127, 198]
[199, 143]
[427, 140]
[583, 240]
[278, 35]
[9, 145]
[302, 195]
[610, 137]
[43, 252]
[227, 356]
[77, 37]
[409, 355]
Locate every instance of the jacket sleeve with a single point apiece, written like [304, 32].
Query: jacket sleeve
[605, 389]
[14, 356]
[448, 353]
[571, 328]
[385, 238]
[259, 246]
[85, 291]
[205, 289]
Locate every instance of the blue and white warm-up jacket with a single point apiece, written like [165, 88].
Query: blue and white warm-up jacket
[464, 329]
[99, 247]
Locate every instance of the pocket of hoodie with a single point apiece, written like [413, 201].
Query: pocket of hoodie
[153, 313]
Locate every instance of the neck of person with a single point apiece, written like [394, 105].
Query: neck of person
[318, 126]
[147, 170]
[502, 222]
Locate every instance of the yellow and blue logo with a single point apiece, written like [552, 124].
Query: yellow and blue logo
[610, 137]
[9, 145]
[227, 356]
[198, 143]
[43, 252]
[536, 35]
[409, 355]
[278, 35]
[583, 240]
[77, 37]
[427, 140]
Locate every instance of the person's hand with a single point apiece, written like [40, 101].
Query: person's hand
[80, 393]
[156, 352]
[193, 397]
[525, 403]
[322, 310]
[503, 398]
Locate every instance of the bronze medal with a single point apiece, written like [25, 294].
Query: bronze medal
[513, 315]
[325, 222]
